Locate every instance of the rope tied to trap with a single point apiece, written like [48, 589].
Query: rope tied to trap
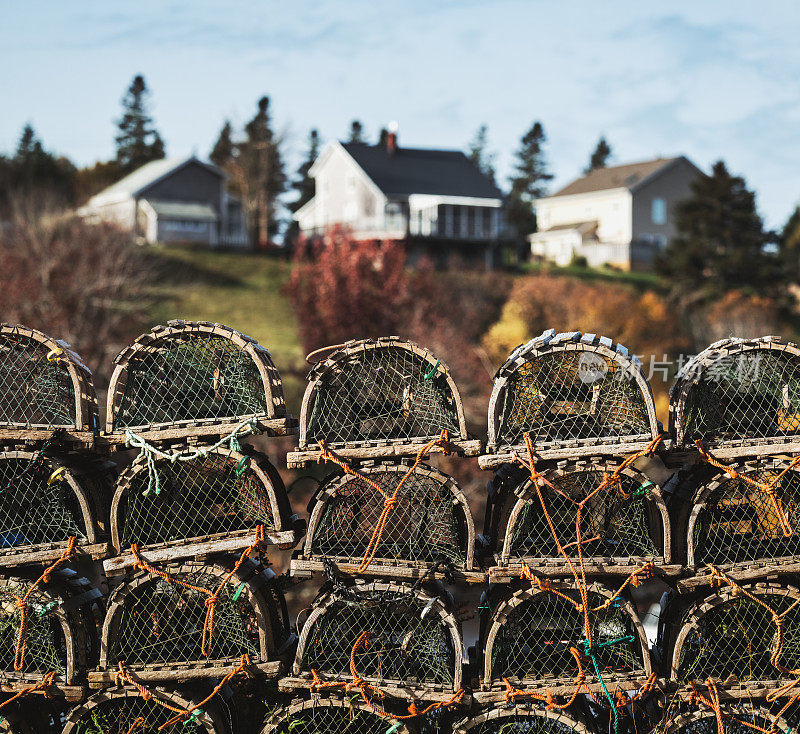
[212, 597]
[390, 501]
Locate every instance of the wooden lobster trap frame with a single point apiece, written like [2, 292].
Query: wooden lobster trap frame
[413, 650]
[210, 504]
[44, 501]
[521, 719]
[740, 397]
[45, 387]
[747, 524]
[320, 715]
[528, 637]
[624, 525]
[119, 710]
[572, 394]
[373, 399]
[738, 718]
[432, 523]
[729, 638]
[157, 625]
[59, 636]
[194, 378]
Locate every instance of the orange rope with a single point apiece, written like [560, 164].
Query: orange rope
[390, 501]
[712, 701]
[22, 604]
[547, 697]
[768, 488]
[123, 676]
[40, 687]
[138, 722]
[211, 597]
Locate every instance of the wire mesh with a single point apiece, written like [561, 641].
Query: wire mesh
[320, 717]
[117, 715]
[534, 640]
[404, 644]
[745, 395]
[736, 637]
[738, 522]
[161, 623]
[554, 398]
[617, 521]
[427, 525]
[737, 720]
[34, 390]
[46, 644]
[382, 393]
[206, 496]
[516, 722]
[189, 376]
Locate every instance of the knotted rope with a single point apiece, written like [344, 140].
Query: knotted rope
[712, 701]
[768, 488]
[41, 687]
[22, 604]
[390, 501]
[212, 598]
[152, 454]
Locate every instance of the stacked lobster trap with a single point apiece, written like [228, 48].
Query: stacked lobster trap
[385, 528]
[575, 519]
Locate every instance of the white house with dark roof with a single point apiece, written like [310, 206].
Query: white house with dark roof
[173, 200]
[620, 215]
[437, 200]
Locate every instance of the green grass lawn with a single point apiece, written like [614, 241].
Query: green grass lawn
[643, 281]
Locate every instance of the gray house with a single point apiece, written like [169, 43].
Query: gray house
[173, 200]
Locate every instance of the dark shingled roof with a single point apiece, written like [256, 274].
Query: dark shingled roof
[422, 171]
[615, 177]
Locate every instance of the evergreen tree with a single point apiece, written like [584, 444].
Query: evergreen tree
[791, 233]
[356, 132]
[137, 141]
[304, 184]
[34, 169]
[530, 180]
[721, 244]
[600, 156]
[222, 152]
[479, 154]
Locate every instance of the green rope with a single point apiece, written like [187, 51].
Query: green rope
[196, 714]
[643, 490]
[239, 590]
[432, 371]
[588, 650]
[392, 729]
[47, 609]
[241, 466]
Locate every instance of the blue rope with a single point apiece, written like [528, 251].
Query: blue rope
[589, 650]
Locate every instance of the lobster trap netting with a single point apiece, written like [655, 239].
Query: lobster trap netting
[381, 393]
[428, 524]
[35, 390]
[189, 376]
[160, 621]
[215, 494]
[125, 711]
[553, 397]
[733, 635]
[741, 395]
[405, 643]
[738, 521]
[531, 641]
[737, 719]
[320, 716]
[521, 720]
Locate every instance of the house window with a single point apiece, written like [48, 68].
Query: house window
[658, 212]
[456, 231]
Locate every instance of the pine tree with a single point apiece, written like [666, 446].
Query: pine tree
[721, 244]
[34, 169]
[479, 154]
[356, 132]
[137, 141]
[529, 183]
[600, 156]
[222, 152]
[304, 184]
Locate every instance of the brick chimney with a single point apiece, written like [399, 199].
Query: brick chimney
[391, 138]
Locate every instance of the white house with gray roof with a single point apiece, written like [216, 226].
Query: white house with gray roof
[173, 200]
[620, 215]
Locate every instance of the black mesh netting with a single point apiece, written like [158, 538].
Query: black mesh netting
[33, 511]
[736, 638]
[206, 496]
[190, 377]
[46, 646]
[322, 718]
[161, 622]
[33, 390]
[553, 397]
[736, 723]
[385, 393]
[740, 522]
[118, 715]
[617, 521]
[427, 524]
[522, 724]
[753, 394]
[534, 641]
[404, 644]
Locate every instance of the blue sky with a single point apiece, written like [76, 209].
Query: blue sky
[712, 79]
